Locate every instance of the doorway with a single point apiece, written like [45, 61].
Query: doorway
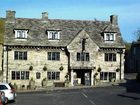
[82, 77]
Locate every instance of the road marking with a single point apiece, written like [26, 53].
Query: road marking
[88, 99]
[92, 102]
[84, 95]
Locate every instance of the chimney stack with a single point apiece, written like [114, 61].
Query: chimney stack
[114, 19]
[45, 16]
[10, 16]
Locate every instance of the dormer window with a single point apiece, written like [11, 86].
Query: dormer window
[53, 34]
[21, 34]
[109, 36]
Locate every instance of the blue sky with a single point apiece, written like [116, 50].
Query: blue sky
[127, 11]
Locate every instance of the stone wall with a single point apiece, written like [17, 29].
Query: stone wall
[37, 59]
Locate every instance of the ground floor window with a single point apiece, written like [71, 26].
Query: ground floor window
[107, 75]
[20, 75]
[38, 75]
[53, 75]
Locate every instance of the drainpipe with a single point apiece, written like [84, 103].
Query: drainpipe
[120, 52]
[7, 65]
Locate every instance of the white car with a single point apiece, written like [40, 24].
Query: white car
[8, 89]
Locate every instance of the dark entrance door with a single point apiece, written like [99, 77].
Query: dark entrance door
[84, 75]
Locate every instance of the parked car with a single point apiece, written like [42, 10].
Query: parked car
[0, 100]
[2, 97]
[8, 89]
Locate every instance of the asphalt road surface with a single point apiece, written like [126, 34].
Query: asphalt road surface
[125, 94]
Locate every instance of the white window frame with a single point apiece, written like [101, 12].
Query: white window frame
[109, 36]
[108, 76]
[53, 75]
[53, 35]
[20, 75]
[21, 34]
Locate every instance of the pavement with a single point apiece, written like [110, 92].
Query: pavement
[129, 77]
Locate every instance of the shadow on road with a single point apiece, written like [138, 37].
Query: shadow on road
[132, 86]
[127, 96]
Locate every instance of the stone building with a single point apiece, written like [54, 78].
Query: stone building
[78, 52]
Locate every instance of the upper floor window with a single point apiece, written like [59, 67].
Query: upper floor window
[53, 55]
[20, 55]
[109, 36]
[83, 56]
[110, 57]
[21, 34]
[53, 35]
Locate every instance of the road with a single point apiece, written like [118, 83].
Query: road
[124, 94]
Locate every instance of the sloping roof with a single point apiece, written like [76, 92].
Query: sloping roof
[69, 29]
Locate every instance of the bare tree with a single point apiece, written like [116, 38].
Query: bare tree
[137, 34]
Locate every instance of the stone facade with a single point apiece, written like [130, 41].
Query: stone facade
[80, 50]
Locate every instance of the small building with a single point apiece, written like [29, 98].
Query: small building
[78, 52]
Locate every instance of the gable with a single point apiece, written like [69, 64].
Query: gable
[82, 40]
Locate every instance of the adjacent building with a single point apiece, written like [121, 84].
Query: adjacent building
[133, 58]
[78, 52]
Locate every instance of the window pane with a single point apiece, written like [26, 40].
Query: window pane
[27, 74]
[105, 75]
[53, 75]
[57, 75]
[87, 56]
[25, 55]
[57, 55]
[101, 76]
[22, 75]
[49, 75]
[17, 75]
[38, 75]
[110, 57]
[13, 75]
[53, 56]
[112, 75]
[16, 55]
[78, 56]
[114, 57]
[49, 55]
